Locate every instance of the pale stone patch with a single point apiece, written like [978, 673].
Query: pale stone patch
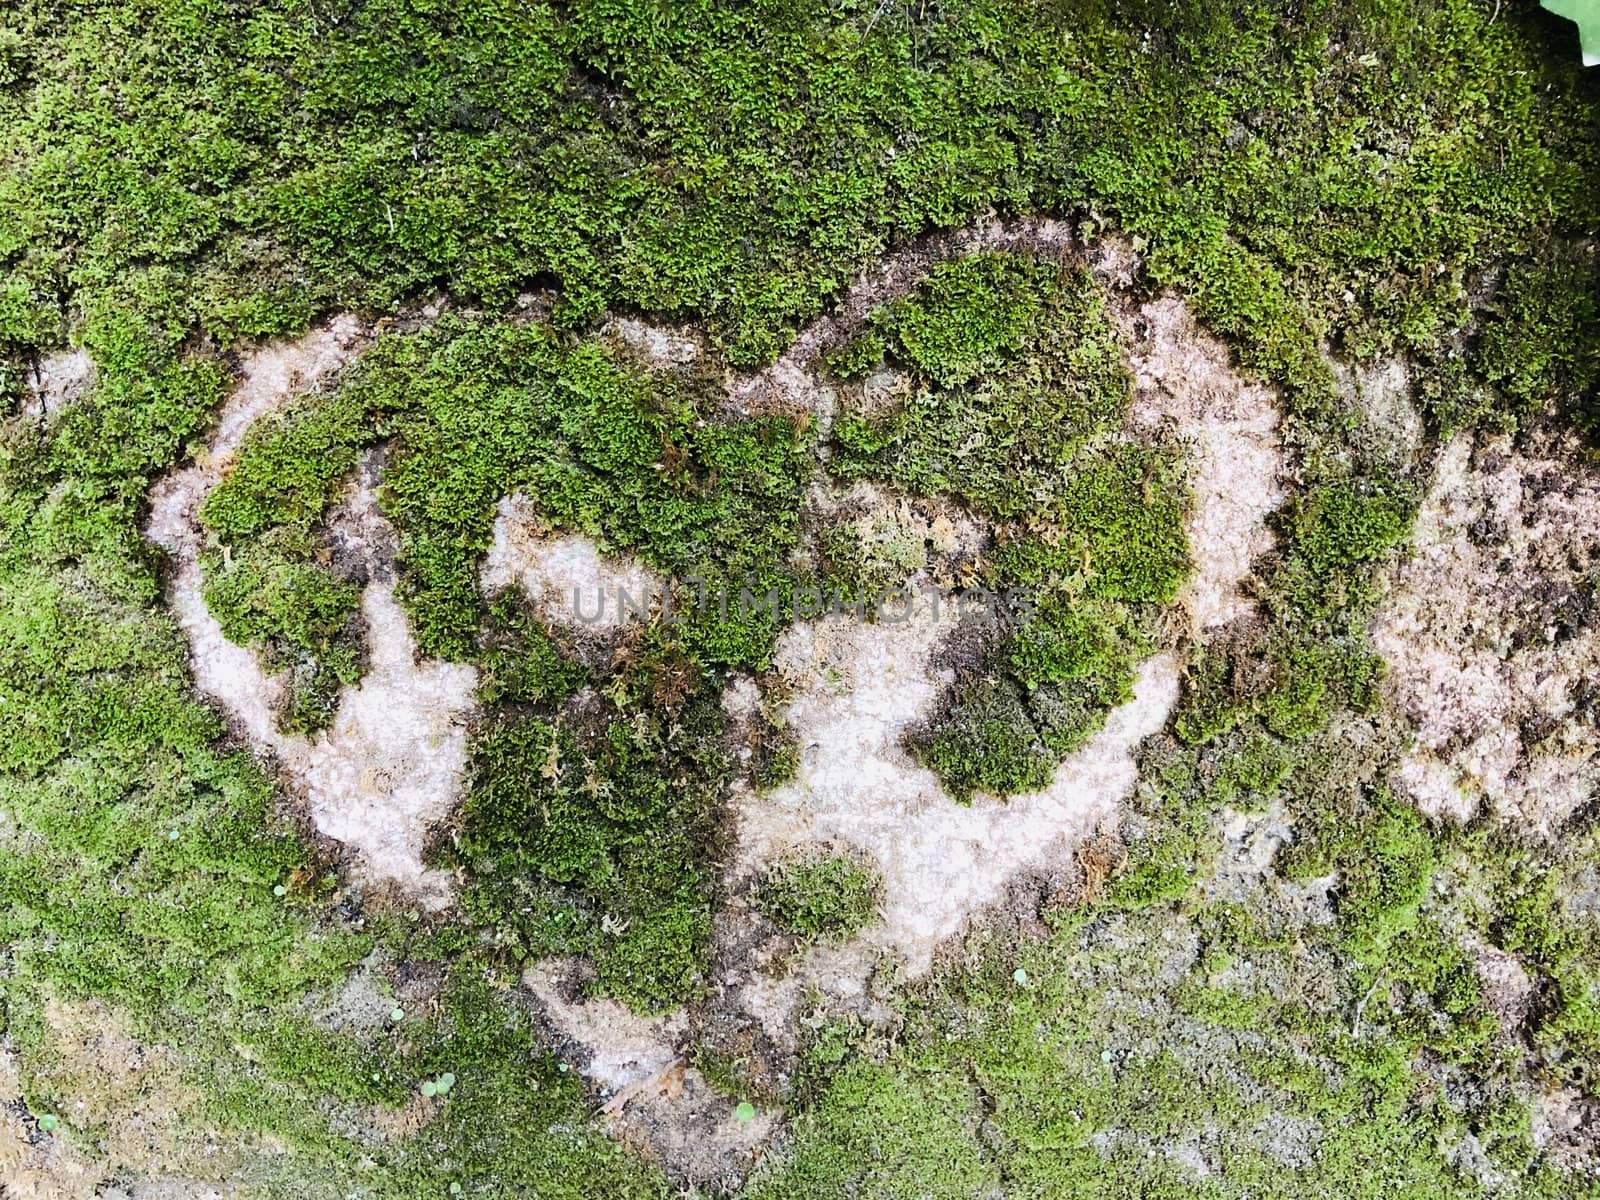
[1292, 1141]
[1566, 1125]
[660, 345]
[862, 688]
[1435, 788]
[621, 1047]
[741, 699]
[389, 766]
[1380, 390]
[1250, 842]
[57, 381]
[567, 578]
[833, 977]
[1490, 636]
[1471, 1159]
[269, 378]
[855, 690]
[1507, 988]
[363, 1001]
[653, 1099]
[129, 1098]
[1190, 1158]
[1229, 425]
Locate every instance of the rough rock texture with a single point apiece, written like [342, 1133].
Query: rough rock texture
[848, 691]
[56, 381]
[655, 1101]
[1490, 633]
[1186, 383]
[861, 688]
[125, 1095]
[567, 579]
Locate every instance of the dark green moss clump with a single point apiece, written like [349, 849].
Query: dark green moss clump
[596, 841]
[1017, 367]
[822, 896]
[855, 358]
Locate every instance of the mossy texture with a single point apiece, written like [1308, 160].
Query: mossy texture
[1019, 391]
[821, 896]
[180, 178]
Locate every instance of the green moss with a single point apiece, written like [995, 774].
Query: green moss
[829, 896]
[875, 1132]
[1084, 1058]
[1533, 914]
[510, 1114]
[288, 473]
[779, 762]
[1385, 861]
[970, 316]
[597, 841]
[521, 663]
[176, 181]
[857, 357]
[986, 741]
[991, 425]
[299, 613]
[1542, 346]
[1338, 531]
[1311, 682]
[605, 847]
[1117, 532]
[1293, 683]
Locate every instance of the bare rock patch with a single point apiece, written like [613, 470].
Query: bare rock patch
[862, 688]
[127, 1128]
[1491, 637]
[654, 1100]
[56, 382]
[565, 576]
[1186, 382]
